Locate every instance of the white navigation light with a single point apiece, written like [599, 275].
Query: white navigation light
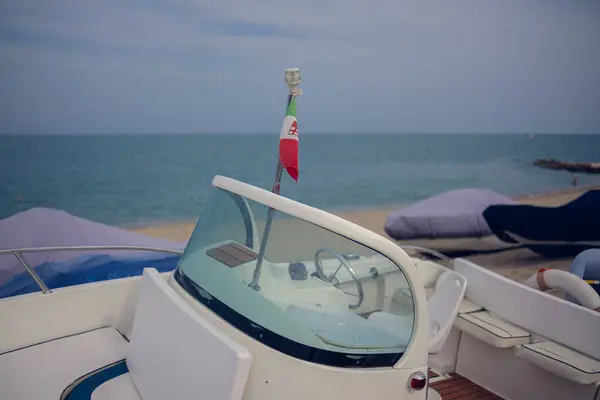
[293, 79]
[292, 76]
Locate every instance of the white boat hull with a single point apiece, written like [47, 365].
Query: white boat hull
[160, 339]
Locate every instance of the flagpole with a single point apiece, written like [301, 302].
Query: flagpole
[293, 80]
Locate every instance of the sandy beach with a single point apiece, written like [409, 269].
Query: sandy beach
[516, 264]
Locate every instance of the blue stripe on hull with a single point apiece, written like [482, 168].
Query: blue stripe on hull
[83, 390]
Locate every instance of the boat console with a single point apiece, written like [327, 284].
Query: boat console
[301, 288]
[295, 279]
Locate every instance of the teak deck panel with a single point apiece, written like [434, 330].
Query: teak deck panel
[457, 387]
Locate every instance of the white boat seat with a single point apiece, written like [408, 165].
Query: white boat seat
[491, 329]
[443, 307]
[43, 371]
[174, 350]
[561, 361]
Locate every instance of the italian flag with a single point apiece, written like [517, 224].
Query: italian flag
[288, 141]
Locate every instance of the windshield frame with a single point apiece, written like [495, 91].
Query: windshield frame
[239, 192]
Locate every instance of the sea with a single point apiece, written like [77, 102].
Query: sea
[140, 180]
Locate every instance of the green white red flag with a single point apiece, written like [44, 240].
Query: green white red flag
[288, 141]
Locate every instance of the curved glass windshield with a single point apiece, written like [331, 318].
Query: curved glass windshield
[310, 293]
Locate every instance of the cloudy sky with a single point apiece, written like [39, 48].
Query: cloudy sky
[131, 66]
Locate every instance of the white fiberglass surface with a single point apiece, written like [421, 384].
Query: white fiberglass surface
[314, 286]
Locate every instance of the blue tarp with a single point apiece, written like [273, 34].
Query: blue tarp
[576, 221]
[43, 227]
[86, 269]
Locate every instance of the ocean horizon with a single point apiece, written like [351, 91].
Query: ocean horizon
[148, 179]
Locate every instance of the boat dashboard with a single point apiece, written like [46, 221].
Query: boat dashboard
[332, 297]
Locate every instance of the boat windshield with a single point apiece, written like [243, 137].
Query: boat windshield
[314, 294]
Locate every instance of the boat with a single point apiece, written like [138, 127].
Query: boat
[565, 230]
[275, 299]
[333, 309]
[81, 251]
[448, 215]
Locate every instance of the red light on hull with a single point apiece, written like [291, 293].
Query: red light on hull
[417, 381]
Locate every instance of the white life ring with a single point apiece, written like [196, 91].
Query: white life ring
[546, 279]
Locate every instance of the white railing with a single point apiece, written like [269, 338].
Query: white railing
[18, 253]
[426, 251]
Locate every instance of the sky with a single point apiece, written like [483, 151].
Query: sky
[199, 66]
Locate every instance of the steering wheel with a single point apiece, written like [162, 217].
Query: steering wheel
[342, 260]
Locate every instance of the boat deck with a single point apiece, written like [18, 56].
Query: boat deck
[456, 387]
